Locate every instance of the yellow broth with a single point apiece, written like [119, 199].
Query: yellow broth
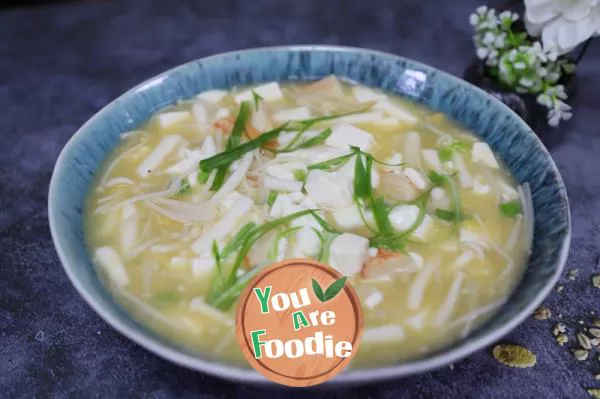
[162, 291]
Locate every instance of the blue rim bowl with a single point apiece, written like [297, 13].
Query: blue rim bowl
[491, 120]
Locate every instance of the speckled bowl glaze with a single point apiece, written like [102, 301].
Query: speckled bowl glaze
[508, 135]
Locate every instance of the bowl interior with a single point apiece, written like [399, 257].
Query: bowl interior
[508, 136]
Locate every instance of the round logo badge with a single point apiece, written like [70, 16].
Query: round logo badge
[299, 323]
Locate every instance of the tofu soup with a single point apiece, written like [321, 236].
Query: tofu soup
[423, 218]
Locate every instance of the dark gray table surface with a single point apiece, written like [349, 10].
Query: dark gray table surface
[60, 64]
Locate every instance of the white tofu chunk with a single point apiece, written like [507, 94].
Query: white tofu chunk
[270, 92]
[439, 199]
[416, 178]
[281, 185]
[294, 114]
[464, 176]
[480, 188]
[166, 145]
[412, 149]
[374, 299]
[169, 119]
[403, 217]
[383, 335]
[394, 159]
[179, 262]
[224, 226]
[222, 113]
[280, 205]
[212, 96]
[203, 266]
[394, 110]
[308, 243]
[365, 95]
[416, 322]
[345, 135]
[482, 153]
[326, 190]
[348, 253]
[349, 218]
[425, 229]
[432, 159]
[508, 193]
[111, 263]
[285, 170]
[200, 113]
[282, 246]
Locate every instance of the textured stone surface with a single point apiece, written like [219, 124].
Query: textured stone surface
[60, 64]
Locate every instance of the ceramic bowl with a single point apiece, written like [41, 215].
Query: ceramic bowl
[491, 120]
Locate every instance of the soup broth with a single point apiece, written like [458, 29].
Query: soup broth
[433, 248]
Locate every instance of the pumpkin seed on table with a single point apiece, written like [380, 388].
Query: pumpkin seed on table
[572, 274]
[584, 341]
[542, 313]
[595, 392]
[514, 355]
[562, 339]
[580, 354]
[595, 332]
[596, 280]
[559, 329]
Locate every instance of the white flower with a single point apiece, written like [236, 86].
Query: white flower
[558, 112]
[507, 18]
[545, 100]
[526, 82]
[484, 18]
[482, 52]
[488, 38]
[500, 40]
[563, 24]
[557, 91]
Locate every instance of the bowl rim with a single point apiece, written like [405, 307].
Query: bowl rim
[248, 375]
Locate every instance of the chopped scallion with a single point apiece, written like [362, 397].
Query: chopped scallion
[510, 209]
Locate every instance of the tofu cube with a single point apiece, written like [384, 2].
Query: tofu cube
[425, 229]
[308, 243]
[281, 185]
[349, 218]
[403, 217]
[203, 266]
[212, 96]
[222, 113]
[348, 253]
[416, 178]
[270, 92]
[482, 153]
[432, 159]
[110, 261]
[365, 95]
[345, 135]
[170, 119]
[374, 299]
[326, 190]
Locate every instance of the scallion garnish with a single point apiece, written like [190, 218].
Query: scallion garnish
[510, 209]
[257, 99]
[271, 198]
[227, 157]
[184, 188]
[331, 163]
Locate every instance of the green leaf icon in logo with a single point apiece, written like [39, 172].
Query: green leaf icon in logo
[330, 292]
